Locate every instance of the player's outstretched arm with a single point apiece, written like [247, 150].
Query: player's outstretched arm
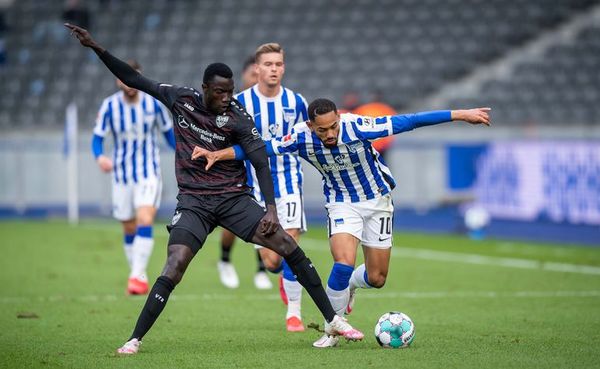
[231, 153]
[473, 116]
[119, 68]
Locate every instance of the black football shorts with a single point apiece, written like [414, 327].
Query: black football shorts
[200, 214]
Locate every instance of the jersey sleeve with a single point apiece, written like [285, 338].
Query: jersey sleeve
[301, 109]
[168, 94]
[367, 128]
[285, 145]
[103, 119]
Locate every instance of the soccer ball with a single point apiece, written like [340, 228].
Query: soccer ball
[394, 330]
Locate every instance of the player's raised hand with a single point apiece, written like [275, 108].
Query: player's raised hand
[269, 223]
[210, 156]
[473, 116]
[83, 36]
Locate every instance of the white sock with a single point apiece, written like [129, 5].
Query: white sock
[293, 290]
[142, 249]
[128, 248]
[357, 279]
[339, 299]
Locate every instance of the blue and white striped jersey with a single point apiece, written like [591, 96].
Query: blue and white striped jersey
[275, 117]
[133, 128]
[352, 171]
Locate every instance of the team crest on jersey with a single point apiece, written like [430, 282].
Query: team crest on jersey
[222, 120]
[365, 121]
[289, 114]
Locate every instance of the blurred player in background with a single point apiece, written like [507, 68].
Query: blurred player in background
[227, 272]
[357, 187]
[213, 120]
[132, 118]
[276, 110]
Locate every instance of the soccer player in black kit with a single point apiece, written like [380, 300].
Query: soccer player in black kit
[214, 120]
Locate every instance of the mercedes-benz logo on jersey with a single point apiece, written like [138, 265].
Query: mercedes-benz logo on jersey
[222, 120]
[340, 159]
[182, 122]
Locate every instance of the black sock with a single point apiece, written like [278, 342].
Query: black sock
[261, 264]
[225, 254]
[155, 303]
[308, 277]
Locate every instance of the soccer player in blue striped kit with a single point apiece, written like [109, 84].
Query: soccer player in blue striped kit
[357, 187]
[276, 109]
[132, 118]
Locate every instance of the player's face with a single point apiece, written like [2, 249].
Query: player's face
[249, 76]
[270, 68]
[128, 91]
[218, 93]
[327, 128]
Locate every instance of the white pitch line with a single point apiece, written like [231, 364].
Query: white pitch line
[371, 295]
[456, 257]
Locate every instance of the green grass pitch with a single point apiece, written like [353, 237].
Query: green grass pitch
[489, 304]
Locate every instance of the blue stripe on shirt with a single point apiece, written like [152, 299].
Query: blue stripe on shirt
[115, 142]
[272, 119]
[124, 141]
[346, 177]
[134, 148]
[144, 141]
[354, 158]
[339, 196]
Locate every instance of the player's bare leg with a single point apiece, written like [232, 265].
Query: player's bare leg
[307, 275]
[372, 274]
[143, 244]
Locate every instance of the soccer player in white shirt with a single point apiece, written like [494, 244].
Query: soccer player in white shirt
[357, 186]
[276, 109]
[132, 118]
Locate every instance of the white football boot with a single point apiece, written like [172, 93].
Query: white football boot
[130, 347]
[228, 275]
[326, 341]
[262, 281]
[339, 326]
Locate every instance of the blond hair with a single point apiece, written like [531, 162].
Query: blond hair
[270, 47]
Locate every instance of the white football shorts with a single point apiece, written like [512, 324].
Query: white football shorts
[370, 221]
[128, 197]
[290, 211]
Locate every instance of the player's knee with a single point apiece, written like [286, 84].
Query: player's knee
[288, 244]
[377, 280]
[145, 220]
[272, 264]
